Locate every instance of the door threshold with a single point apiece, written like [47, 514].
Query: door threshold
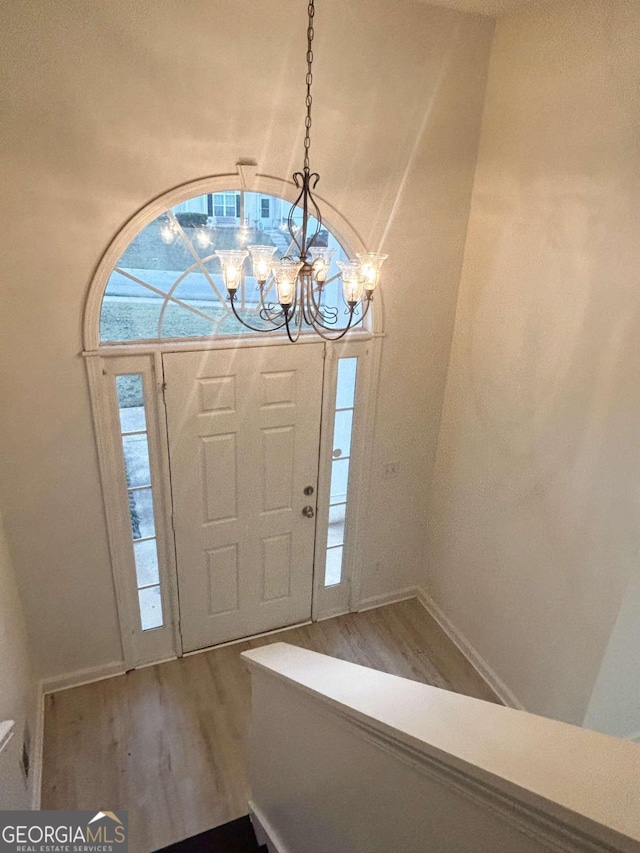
[250, 637]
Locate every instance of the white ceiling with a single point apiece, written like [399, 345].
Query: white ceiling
[483, 7]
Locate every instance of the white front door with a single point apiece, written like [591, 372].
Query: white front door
[244, 431]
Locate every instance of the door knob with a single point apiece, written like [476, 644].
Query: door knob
[308, 511]
[308, 490]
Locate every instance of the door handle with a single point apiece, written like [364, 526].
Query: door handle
[308, 511]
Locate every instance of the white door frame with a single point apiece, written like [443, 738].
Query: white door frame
[138, 648]
[138, 651]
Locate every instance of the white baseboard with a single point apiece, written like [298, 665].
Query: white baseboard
[387, 598]
[504, 693]
[82, 676]
[265, 833]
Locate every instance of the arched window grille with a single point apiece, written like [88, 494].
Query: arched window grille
[167, 284]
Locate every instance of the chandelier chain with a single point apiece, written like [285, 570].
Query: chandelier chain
[309, 81]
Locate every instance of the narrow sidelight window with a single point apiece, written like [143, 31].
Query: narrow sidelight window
[135, 447]
[342, 433]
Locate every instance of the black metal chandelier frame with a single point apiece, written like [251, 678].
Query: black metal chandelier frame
[300, 281]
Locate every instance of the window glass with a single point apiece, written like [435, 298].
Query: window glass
[168, 283]
[146, 554]
[150, 602]
[136, 459]
[342, 435]
[333, 571]
[135, 449]
[141, 511]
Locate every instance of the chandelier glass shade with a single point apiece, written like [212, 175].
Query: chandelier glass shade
[299, 278]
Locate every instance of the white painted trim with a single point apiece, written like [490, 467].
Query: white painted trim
[198, 344]
[502, 691]
[108, 350]
[160, 643]
[82, 676]
[106, 437]
[387, 598]
[366, 415]
[172, 596]
[265, 833]
[7, 728]
[325, 458]
[330, 600]
[37, 753]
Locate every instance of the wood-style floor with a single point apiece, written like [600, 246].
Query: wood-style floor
[168, 742]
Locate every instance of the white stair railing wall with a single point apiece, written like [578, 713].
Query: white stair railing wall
[346, 758]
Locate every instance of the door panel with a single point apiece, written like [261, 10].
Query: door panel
[243, 430]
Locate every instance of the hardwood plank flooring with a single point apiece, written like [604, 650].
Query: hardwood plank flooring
[168, 742]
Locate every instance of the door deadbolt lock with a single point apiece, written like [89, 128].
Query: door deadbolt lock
[308, 490]
[308, 511]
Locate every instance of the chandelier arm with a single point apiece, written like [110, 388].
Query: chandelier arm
[320, 315]
[317, 324]
[244, 322]
[314, 313]
[367, 305]
[292, 243]
[268, 314]
[309, 199]
[350, 325]
[294, 231]
[293, 339]
[329, 315]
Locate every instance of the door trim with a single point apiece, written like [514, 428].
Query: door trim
[342, 598]
[326, 602]
[139, 647]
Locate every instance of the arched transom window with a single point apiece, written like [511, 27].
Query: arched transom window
[167, 284]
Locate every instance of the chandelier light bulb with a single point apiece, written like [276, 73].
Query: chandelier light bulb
[232, 263]
[261, 261]
[321, 262]
[352, 282]
[370, 264]
[285, 273]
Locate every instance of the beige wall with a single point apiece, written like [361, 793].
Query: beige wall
[18, 696]
[107, 105]
[534, 521]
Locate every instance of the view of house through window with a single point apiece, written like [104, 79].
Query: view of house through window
[168, 281]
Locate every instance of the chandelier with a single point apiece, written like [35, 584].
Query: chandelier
[300, 278]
